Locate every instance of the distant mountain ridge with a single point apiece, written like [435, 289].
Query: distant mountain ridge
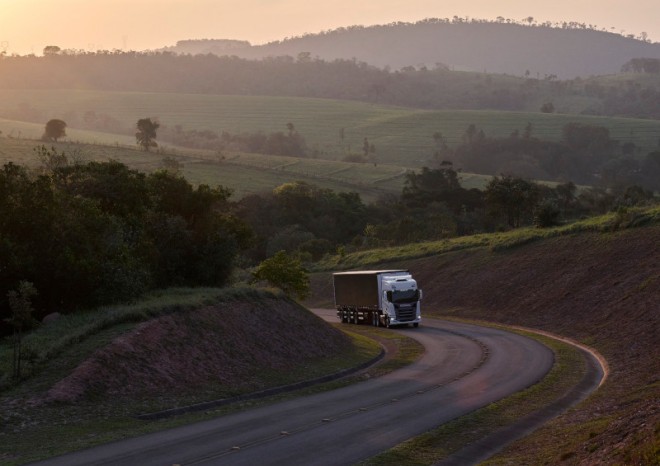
[494, 47]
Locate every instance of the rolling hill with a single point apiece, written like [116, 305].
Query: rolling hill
[401, 136]
[566, 50]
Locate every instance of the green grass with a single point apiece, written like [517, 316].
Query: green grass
[439, 443]
[494, 241]
[402, 136]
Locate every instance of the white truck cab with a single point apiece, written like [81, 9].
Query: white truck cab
[400, 300]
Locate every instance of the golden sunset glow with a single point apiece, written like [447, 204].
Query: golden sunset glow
[27, 26]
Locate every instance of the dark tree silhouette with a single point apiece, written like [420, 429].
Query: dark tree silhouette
[55, 129]
[146, 133]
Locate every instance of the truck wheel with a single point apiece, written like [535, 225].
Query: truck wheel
[416, 324]
[374, 319]
[387, 321]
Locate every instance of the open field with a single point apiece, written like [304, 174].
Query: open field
[401, 136]
[244, 173]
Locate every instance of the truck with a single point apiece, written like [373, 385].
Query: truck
[377, 297]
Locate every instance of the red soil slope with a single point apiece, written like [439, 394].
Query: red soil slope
[229, 350]
[600, 289]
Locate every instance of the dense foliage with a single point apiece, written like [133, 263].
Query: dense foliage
[285, 272]
[96, 233]
[586, 154]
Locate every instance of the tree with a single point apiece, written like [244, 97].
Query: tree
[55, 129]
[548, 107]
[514, 198]
[546, 215]
[284, 272]
[51, 50]
[146, 133]
[20, 303]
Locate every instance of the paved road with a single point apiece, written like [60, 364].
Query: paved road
[464, 368]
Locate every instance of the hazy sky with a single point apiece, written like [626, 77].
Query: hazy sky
[27, 26]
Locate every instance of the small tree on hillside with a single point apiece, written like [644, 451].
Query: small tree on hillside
[284, 272]
[146, 133]
[55, 129]
[20, 303]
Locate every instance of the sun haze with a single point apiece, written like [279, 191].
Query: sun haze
[27, 26]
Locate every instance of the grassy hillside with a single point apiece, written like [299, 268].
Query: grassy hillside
[401, 136]
[91, 373]
[244, 173]
[598, 283]
[492, 241]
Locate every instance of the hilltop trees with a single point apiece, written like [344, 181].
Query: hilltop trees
[55, 129]
[146, 133]
[642, 65]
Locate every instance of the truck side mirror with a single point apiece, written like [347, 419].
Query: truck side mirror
[388, 295]
[419, 295]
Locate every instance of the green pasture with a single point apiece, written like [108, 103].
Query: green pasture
[244, 173]
[401, 136]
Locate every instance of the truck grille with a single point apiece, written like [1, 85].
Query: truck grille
[406, 314]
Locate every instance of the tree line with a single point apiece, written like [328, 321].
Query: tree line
[434, 87]
[289, 143]
[585, 154]
[97, 233]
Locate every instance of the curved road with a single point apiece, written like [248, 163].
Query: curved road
[465, 367]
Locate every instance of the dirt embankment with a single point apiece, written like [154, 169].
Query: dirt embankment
[233, 345]
[600, 289]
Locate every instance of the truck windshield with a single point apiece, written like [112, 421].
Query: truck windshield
[407, 296]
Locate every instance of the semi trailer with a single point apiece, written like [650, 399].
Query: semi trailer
[377, 297]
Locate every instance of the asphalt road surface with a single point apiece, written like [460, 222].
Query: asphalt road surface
[465, 367]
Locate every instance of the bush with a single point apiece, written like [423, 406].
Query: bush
[546, 215]
[286, 273]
